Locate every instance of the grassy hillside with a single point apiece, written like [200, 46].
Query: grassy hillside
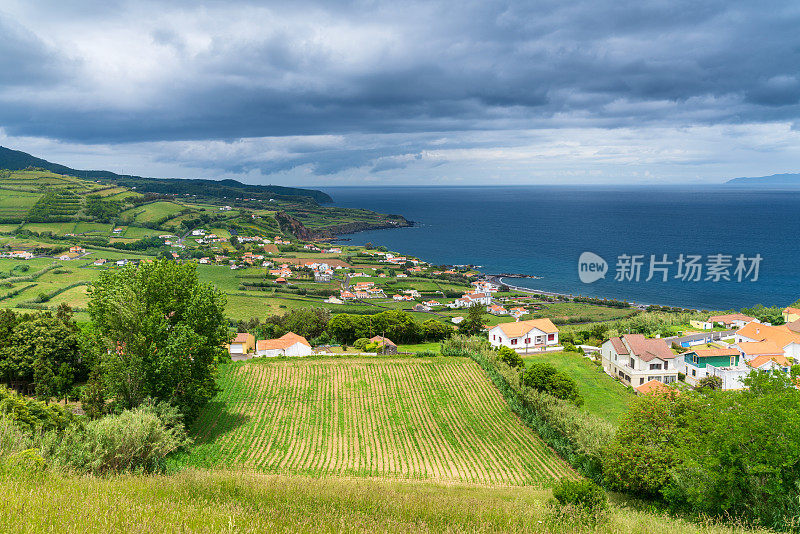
[17, 160]
[603, 396]
[436, 418]
[203, 501]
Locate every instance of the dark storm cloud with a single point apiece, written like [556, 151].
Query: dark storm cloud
[372, 67]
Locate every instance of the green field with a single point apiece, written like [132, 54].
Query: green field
[15, 204]
[152, 212]
[603, 396]
[438, 419]
[221, 501]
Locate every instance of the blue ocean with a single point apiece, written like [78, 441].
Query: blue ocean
[543, 230]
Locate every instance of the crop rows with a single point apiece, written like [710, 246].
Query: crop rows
[425, 419]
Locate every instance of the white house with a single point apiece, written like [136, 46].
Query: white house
[472, 299]
[287, 345]
[533, 335]
[635, 360]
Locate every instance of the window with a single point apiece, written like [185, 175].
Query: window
[633, 364]
[493, 337]
[694, 372]
[513, 341]
[527, 341]
[655, 366]
[649, 378]
[669, 379]
[641, 381]
[551, 337]
[666, 365]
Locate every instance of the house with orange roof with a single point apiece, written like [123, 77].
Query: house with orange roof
[786, 340]
[791, 314]
[347, 295]
[289, 344]
[635, 359]
[243, 343]
[496, 309]
[533, 335]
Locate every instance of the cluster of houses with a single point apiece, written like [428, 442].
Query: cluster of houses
[245, 345]
[639, 362]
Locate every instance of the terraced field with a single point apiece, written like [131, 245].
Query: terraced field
[432, 418]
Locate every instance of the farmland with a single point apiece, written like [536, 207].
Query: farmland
[432, 418]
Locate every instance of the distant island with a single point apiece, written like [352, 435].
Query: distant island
[775, 180]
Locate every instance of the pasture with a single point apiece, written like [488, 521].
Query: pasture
[603, 396]
[432, 418]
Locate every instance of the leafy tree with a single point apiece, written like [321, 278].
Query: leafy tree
[763, 382]
[433, 330]
[510, 357]
[709, 383]
[308, 322]
[35, 351]
[164, 331]
[472, 325]
[647, 444]
[742, 458]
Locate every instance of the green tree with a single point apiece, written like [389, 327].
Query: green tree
[433, 330]
[164, 331]
[647, 445]
[472, 325]
[35, 351]
[709, 383]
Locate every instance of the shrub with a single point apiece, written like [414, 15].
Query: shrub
[546, 378]
[569, 347]
[583, 493]
[360, 343]
[25, 463]
[136, 440]
[510, 357]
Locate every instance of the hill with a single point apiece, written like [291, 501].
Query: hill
[772, 181]
[432, 418]
[17, 160]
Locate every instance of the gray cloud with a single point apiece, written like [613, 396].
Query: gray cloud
[125, 72]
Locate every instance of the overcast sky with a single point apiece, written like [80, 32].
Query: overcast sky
[428, 93]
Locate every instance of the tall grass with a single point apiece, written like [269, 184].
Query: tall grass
[203, 501]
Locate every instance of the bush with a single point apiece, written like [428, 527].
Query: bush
[583, 493]
[546, 378]
[360, 343]
[25, 463]
[510, 357]
[576, 436]
[136, 440]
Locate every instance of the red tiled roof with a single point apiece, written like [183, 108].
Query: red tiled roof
[240, 338]
[652, 387]
[647, 349]
[619, 346]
